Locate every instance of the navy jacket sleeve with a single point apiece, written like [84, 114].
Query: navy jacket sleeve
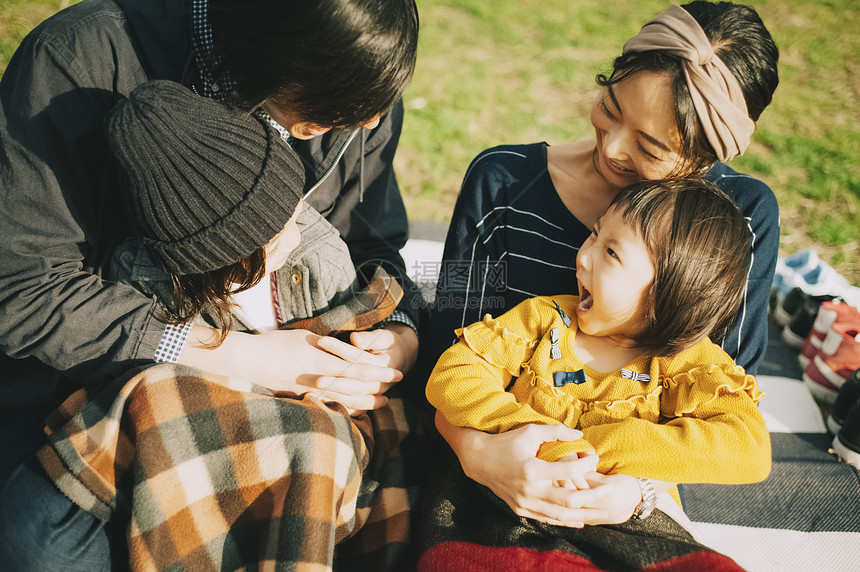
[747, 341]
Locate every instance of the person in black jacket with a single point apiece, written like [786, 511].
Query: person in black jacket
[328, 74]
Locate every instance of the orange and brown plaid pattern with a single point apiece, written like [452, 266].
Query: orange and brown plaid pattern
[215, 473]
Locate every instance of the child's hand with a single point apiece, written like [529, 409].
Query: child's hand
[621, 495]
[577, 480]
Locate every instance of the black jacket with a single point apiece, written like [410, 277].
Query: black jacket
[61, 324]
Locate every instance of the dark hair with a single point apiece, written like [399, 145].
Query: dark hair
[700, 244]
[336, 63]
[212, 291]
[741, 41]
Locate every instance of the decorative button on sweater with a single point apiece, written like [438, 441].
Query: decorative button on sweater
[562, 378]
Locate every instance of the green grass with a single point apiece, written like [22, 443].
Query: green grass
[519, 71]
[17, 17]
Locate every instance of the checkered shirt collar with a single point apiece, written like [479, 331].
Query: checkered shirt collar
[212, 84]
[208, 62]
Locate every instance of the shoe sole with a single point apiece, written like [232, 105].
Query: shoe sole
[791, 339]
[845, 454]
[832, 426]
[819, 391]
[781, 316]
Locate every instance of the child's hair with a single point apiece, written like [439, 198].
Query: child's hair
[336, 63]
[212, 292]
[745, 46]
[206, 187]
[700, 245]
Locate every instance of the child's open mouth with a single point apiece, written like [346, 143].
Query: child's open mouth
[585, 300]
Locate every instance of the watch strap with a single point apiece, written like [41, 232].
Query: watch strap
[649, 499]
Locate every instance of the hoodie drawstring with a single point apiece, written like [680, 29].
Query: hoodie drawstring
[361, 169]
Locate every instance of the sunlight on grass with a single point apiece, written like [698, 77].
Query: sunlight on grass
[520, 71]
[17, 18]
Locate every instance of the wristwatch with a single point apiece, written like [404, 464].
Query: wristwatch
[649, 499]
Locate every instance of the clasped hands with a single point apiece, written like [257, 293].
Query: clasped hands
[358, 374]
[299, 362]
[568, 492]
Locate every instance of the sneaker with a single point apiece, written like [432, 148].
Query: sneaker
[849, 394]
[797, 328]
[829, 313]
[838, 358]
[788, 306]
[846, 444]
[822, 280]
[851, 294]
[800, 262]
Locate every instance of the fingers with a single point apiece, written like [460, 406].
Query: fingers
[347, 386]
[354, 404]
[552, 521]
[361, 372]
[592, 498]
[345, 360]
[372, 340]
[349, 352]
[579, 482]
[543, 433]
[579, 464]
[560, 515]
[537, 470]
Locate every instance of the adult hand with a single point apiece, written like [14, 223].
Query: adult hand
[616, 494]
[506, 464]
[297, 362]
[396, 343]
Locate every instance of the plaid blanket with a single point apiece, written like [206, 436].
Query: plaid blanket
[463, 526]
[215, 473]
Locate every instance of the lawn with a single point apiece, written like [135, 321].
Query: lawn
[518, 71]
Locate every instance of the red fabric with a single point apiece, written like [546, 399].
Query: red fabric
[698, 561]
[466, 557]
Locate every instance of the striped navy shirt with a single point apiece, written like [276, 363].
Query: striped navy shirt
[512, 238]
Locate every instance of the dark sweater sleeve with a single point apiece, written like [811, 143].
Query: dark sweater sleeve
[746, 343]
[55, 203]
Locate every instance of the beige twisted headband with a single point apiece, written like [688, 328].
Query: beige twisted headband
[717, 96]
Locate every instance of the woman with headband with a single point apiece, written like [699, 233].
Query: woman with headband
[681, 100]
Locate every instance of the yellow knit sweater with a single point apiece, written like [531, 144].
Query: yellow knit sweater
[694, 419]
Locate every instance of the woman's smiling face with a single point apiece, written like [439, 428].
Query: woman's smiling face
[613, 270]
[637, 136]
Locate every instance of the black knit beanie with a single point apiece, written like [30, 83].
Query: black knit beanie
[205, 185]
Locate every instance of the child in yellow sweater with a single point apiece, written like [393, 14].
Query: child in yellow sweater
[628, 361]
